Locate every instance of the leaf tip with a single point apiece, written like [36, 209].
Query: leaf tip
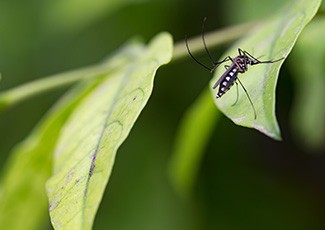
[274, 133]
[163, 41]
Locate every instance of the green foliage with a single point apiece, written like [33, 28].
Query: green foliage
[66, 162]
[85, 153]
[272, 39]
[23, 183]
[34, 156]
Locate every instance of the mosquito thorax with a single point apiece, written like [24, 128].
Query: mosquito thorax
[241, 63]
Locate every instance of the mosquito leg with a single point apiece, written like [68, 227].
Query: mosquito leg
[240, 51]
[251, 56]
[258, 61]
[248, 98]
[243, 52]
[237, 94]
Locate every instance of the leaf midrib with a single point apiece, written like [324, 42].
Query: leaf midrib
[94, 155]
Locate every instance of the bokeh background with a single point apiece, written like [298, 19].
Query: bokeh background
[246, 180]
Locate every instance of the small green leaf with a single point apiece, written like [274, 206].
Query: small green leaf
[87, 146]
[308, 113]
[272, 39]
[191, 140]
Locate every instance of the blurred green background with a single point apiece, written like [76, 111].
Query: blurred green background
[246, 180]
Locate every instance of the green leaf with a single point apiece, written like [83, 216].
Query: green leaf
[87, 146]
[272, 39]
[308, 112]
[191, 140]
[22, 186]
[23, 201]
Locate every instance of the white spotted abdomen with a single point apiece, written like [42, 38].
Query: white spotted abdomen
[227, 82]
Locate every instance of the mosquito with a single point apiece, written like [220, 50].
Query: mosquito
[239, 65]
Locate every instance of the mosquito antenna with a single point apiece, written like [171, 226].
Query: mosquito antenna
[192, 56]
[204, 43]
[248, 98]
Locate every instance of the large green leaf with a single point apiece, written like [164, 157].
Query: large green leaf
[308, 113]
[23, 180]
[24, 177]
[87, 146]
[272, 39]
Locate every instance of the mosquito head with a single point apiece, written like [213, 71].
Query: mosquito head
[242, 61]
[247, 60]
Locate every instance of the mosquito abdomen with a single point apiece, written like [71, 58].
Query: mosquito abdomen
[228, 81]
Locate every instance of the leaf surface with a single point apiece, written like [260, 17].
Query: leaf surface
[272, 39]
[23, 201]
[22, 186]
[87, 147]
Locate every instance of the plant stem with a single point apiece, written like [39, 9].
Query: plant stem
[25, 91]
[20, 93]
